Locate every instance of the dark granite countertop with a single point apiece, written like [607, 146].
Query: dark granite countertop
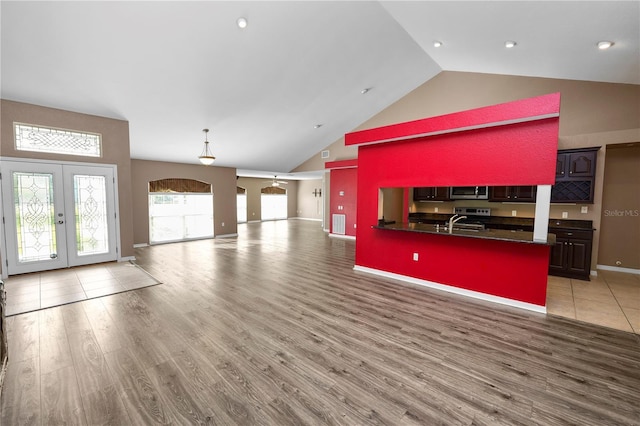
[523, 223]
[486, 234]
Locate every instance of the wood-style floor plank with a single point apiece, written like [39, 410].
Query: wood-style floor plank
[276, 328]
[61, 400]
[53, 341]
[139, 395]
[21, 403]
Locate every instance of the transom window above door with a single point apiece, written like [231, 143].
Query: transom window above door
[30, 137]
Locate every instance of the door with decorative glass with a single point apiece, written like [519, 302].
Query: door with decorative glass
[57, 215]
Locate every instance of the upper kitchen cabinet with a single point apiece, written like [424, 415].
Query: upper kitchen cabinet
[575, 176]
[431, 193]
[514, 194]
[576, 163]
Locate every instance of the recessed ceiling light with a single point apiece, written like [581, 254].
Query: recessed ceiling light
[242, 22]
[602, 45]
[437, 43]
[509, 44]
[365, 90]
[317, 126]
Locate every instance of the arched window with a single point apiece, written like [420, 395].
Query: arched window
[180, 210]
[273, 202]
[241, 202]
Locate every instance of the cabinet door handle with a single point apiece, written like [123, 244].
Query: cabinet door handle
[569, 233]
[570, 244]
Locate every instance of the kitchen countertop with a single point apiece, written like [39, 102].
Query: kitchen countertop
[486, 234]
[524, 223]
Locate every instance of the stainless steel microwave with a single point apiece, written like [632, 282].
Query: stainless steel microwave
[469, 193]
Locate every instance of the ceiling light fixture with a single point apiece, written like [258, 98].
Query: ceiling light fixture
[509, 44]
[437, 43]
[602, 45]
[365, 90]
[206, 157]
[242, 23]
[317, 126]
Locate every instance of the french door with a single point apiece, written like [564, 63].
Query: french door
[57, 215]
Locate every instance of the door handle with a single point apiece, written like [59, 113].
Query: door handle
[60, 222]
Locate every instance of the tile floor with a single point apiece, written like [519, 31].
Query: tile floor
[30, 292]
[611, 299]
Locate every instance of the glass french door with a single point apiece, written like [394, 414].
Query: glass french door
[57, 216]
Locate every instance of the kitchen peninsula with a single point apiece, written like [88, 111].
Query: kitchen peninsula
[512, 144]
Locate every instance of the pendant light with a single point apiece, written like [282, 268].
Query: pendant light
[206, 157]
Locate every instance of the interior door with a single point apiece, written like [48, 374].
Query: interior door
[57, 216]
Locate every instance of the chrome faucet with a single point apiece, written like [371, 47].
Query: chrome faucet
[453, 220]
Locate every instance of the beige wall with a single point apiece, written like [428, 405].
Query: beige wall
[253, 187]
[223, 180]
[115, 149]
[591, 114]
[586, 107]
[310, 206]
[620, 236]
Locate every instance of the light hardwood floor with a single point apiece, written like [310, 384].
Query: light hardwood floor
[275, 328]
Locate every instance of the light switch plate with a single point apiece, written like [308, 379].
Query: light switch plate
[565, 215]
[584, 209]
[514, 213]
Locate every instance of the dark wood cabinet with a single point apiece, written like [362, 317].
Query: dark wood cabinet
[520, 194]
[571, 255]
[575, 176]
[431, 193]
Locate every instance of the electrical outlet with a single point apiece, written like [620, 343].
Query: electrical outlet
[584, 209]
[435, 210]
[222, 223]
[514, 212]
[415, 257]
[565, 215]
[354, 225]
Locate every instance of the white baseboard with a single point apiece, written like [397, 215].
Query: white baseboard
[455, 290]
[306, 218]
[227, 236]
[325, 230]
[254, 221]
[619, 269]
[344, 237]
[126, 258]
[141, 245]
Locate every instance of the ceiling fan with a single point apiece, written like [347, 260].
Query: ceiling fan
[275, 182]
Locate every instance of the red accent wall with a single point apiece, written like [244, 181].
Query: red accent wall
[344, 193]
[523, 153]
[525, 109]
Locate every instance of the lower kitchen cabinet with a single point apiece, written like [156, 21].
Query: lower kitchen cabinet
[571, 255]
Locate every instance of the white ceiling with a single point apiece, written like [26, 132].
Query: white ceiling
[174, 68]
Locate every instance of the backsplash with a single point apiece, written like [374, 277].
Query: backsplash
[505, 209]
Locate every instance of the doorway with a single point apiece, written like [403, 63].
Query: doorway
[57, 215]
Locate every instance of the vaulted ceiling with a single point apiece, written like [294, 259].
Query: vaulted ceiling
[290, 83]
